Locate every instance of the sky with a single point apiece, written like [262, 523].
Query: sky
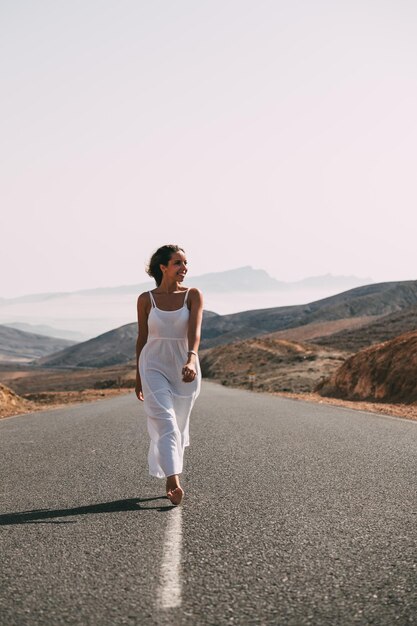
[268, 133]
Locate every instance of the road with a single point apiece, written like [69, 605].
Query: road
[295, 513]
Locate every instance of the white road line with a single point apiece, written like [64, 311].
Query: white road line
[169, 591]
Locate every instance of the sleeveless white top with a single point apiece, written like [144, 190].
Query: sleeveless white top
[168, 324]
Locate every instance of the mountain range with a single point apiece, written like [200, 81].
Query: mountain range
[18, 346]
[242, 279]
[48, 331]
[296, 348]
[369, 305]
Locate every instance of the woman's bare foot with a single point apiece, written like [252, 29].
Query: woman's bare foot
[175, 495]
[174, 491]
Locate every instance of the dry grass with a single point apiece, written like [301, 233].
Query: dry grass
[407, 411]
[27, 380]
[31, 389]
[266, 364]
[52, 400]
[322, 329]
[56, 399]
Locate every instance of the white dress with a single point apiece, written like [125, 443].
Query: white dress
[168, 400]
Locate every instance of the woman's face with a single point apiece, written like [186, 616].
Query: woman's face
[176, 268]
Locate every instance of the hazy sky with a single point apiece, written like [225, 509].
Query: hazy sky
[269, 133]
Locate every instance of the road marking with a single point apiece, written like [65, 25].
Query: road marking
[169, 592]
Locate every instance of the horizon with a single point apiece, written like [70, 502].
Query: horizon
[150, 280]
[118, 309]
[90, 315]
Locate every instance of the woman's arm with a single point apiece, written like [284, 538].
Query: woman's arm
[143, 312]
[195, 299]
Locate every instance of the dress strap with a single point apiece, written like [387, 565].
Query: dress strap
[152, 299]
[185, 299]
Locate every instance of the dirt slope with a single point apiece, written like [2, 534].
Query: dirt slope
[386, 372]
[11, 403]
[31, 380]
[268, 364]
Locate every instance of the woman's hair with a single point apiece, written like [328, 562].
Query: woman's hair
[161, 257]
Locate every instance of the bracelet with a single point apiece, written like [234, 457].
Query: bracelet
[192, 352]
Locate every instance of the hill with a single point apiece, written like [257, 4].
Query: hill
[18, 346]
[111, 348]
[386, 372]
[48, 331]
[318, 330]
[384, 329]
[269, 364]
[370, 302]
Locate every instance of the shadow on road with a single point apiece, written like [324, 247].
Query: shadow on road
[46, 516]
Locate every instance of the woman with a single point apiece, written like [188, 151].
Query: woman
[168, 374]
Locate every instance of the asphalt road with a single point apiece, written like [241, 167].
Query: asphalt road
[295, 513]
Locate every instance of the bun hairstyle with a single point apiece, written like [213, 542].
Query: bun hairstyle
[161, 257]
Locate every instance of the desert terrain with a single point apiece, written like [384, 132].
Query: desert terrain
[339, 350]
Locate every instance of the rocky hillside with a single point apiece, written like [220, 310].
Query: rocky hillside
[385, 372]
[383, 329]
[268, 364]
[11, 403]
[18, 346]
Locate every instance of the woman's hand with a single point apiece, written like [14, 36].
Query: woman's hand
[138, 391]
[189, 372]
